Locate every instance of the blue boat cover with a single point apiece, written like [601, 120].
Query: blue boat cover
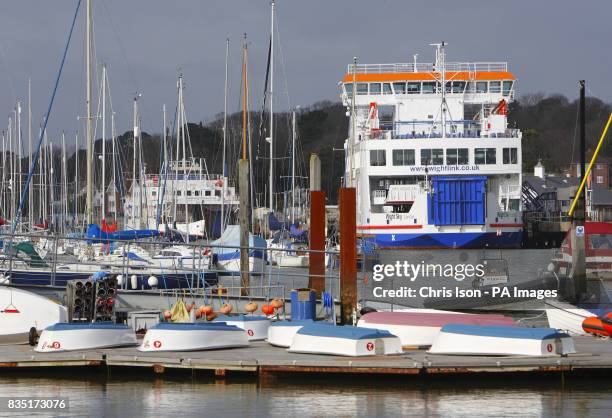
[196, 326]
[346, 332]
[503, 332]
[296, 323]
[95, 234]
[65, 326]
[99, 275]
[241, 317]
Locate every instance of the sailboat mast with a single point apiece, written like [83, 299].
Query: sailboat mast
[31, 189]
[64, 193]
[293, 167]
[271, 187]
[19, 152]
[89, 117]
[76, 179]
[135, 110]
[114, 188]
[223, 176]
[103, 188]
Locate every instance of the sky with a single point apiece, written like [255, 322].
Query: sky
[548, 44]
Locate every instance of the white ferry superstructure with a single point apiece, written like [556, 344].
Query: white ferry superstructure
[433, 167]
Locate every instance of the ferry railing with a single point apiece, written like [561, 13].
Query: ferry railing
[421, 67]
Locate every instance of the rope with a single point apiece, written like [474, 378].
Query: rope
[24, 192]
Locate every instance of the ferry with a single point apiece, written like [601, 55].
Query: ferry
[431, 155]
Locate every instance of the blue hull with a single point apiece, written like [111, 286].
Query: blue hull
[475, 240]
[169, 281]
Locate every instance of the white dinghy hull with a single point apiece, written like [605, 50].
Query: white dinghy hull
[501, 341]
[71, 336]
[281, 333]
[324, 338]
[255, 326]
[167, 336]
[21, 310]
[566, 317]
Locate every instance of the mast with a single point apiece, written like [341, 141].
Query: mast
[293, 134]
[583, 145]
[31, 189]
[89, 117]
[135, 134]
[64, 193]
[115, 190]
[222, 222]
[51, 182]
[103, 189]
[272, 106]
[76, 179]
[19, 153]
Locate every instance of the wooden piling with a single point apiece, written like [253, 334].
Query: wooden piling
[316, 269]
[348, 254]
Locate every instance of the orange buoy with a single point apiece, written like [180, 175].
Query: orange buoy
[211, 316]
[267, 310]
[250, 307]
[226, 309]
[606, 322]
[277, 303]
[206, 310]
[167, 314]
[594, 325]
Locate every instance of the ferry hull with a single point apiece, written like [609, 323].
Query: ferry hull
[446, 240]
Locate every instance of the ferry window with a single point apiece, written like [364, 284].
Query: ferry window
[429, 87]
[362, 88]
[374, 88]
[378, 157]
[196, 193]
[387, 88]
[514, 204]
[470, 87]
[481, 87]
[403, 157]
[178, 193]
[507, 88]
[458, 86]
[188, 192]
[510, 156]
[399, 88]
[484, 156]
[348, 88]
[218, 193]
[413, 87]
[600, 241]
[432, 156]
[495, 86]
[449, 86]
[206, 192]
[153, 192]
[456, 156]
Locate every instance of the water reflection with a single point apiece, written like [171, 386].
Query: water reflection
[155, 398]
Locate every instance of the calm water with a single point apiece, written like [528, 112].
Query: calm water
[185, 398]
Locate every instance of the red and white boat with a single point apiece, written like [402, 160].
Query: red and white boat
[598, 244]
[421, 329]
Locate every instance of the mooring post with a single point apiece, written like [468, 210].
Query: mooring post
[348, 254]
[317, 228]
[243, 180]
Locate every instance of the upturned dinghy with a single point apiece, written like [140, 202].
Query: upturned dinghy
[501, 341]
[70, 336]
[281, 333]
[170, 336]
[256, 326]
[421, 329]
[21, 311]
[325, 338]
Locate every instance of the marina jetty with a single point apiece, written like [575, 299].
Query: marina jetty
[593, 357]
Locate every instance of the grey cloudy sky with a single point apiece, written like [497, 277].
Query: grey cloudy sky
[549, 45]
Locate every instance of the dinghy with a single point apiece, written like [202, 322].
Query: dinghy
[68, 336]
[566, 317]
[501, 341]
[421, 329]
[281, 333]
[20, 311]
[325, 338]
[256, 326]
[171, 336]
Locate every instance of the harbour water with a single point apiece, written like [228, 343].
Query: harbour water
[182, 396]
